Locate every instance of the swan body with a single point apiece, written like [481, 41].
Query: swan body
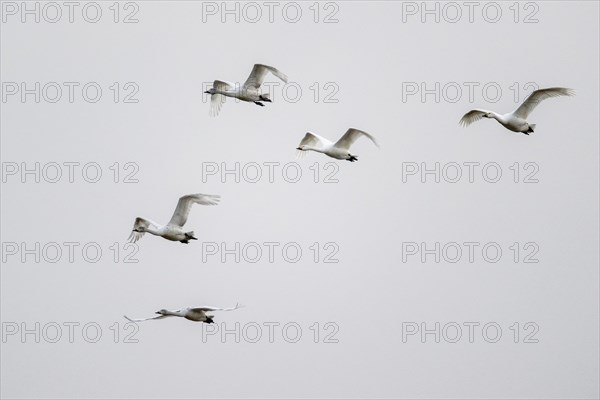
[516, 121]
[174, 229]
[339, 150]
[196, 314]
[249, 91]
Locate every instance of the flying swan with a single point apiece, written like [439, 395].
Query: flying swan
[248, 92]
[174, 229]
[516, 121]
[339, 150]
[197, 314]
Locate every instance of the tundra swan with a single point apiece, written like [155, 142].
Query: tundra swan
[197, 314]
[249, 91]
[516, 121]
[339, 150]
[174, 229]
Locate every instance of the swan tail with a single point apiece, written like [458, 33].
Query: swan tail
[531, 128]
[190, 235]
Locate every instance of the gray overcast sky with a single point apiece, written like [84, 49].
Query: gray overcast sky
[361, 70]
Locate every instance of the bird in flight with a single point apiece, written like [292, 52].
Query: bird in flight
[516, 121]
[174, 229]
[339, 150]
[196, 314]
[249, 91]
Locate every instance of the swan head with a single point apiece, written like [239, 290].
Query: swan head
[210, 91]
[487, 115]
[140, 229]
[302, 148]
[162, 312]
[265, 97]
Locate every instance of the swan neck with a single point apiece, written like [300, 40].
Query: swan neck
[497, 116]
[153, 231]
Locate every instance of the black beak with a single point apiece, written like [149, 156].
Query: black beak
[207, 92]
[298, 148]
[268, 100]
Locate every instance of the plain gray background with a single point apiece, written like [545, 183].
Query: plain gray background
[368, 54]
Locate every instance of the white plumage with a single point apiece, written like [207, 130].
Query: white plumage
[249, 91]
[516, 121]
[197, 314]
[174, 229]
[339, 150]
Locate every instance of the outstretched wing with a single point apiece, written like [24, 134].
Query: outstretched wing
[472, 116]
[144, 319]
[217, 100]
[313, 140]
[258, 74]
[140, 223]
[184, 206]
[537, 96]
[208, 308]
[350, 137]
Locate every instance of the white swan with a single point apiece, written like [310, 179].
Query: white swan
[248, 92]
[339, 150]
[197, 314]
[174, 229]
[516, 121]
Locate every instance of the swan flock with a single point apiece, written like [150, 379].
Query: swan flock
[515, 121]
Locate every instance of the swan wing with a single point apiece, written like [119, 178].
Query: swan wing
[139, 223]
[184, 205]
[258, 74]
[217, 100]
[351, 136]
[144, 319]
[532, 101]
[314, 140]
[472, 116]
[223, 85]
[209, 308]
